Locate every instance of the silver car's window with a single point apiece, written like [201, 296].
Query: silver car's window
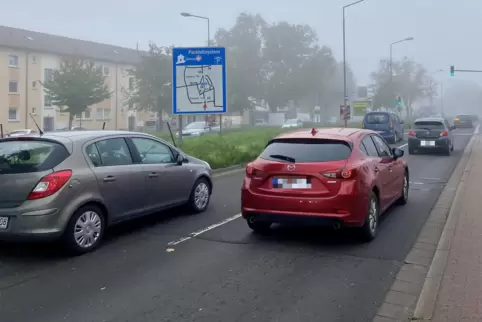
[151, 151]
[93, 155]
[114, 152]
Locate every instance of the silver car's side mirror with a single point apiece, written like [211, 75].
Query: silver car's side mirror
[180, 159]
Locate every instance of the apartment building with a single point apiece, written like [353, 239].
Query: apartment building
[28, 58]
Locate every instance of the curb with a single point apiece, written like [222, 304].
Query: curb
[228, 170]
[413, 294]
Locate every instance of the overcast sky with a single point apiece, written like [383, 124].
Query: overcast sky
[446, 31]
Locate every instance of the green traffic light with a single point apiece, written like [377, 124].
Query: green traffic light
[452, 74]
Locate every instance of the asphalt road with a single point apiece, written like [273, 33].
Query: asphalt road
[225, 273]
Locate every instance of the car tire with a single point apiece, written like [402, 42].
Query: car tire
[447, 151]
[259, 227]
[200, 195]
[451, 146]
[395, 138]
[411, 151]
[368, 231]
[405, 188]
[89, 223]
[401, 138]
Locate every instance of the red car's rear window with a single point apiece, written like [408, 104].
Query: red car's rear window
[306, 150]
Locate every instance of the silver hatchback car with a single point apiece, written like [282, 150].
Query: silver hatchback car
[72, 185]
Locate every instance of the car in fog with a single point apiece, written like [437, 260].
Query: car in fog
[431, 134]
[198, 129]
[292, 123]
[72, 185]
[339, 177]
[387, 124]
[463, 121]
[23, 132]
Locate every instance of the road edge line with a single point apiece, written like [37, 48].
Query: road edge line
[413, 294]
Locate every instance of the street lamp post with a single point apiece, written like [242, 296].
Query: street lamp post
[345, 95]
[431, 85]
[391, 54]
[186, 14]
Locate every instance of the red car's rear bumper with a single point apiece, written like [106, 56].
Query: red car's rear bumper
[346, 210]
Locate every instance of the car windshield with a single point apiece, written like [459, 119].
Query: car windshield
[195, 126]
[306, 150]
[432, 125]
[29, 156]
[376, 118]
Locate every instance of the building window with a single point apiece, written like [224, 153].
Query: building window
[48, 74]
[102, 113]
[47, 101]
[87, 114]
[106, 70]
[13, 60]
[13, 87]
[12, 114]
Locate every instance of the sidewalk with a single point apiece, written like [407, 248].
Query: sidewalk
[460, 293]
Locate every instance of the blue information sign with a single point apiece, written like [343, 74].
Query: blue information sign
[199, 80]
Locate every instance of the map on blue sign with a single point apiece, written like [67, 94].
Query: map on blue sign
[199, 75]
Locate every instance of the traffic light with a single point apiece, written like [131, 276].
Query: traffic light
[399, 100]
[452, 70]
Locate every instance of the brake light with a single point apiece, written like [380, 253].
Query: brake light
[50, 184]
[457, 119]
[340, 174]
[391, 125]
[251, 171]
[412, 133]
[444, 133]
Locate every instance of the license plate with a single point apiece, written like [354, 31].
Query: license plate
[292, 183]
[427, 143]
[3, 222]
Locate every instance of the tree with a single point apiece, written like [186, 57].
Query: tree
[75, 86]
[409, 80]
[150, 87]
[243, 43]
[285, 51]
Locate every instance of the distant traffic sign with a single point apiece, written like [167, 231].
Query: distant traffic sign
[199, 78]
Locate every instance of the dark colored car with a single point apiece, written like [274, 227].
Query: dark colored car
[387, 124]
[339, 177]
[430, 134]
[463, 120]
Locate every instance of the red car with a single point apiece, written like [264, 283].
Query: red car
[340, 177]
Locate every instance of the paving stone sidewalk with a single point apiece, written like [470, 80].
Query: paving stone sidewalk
[460, 293]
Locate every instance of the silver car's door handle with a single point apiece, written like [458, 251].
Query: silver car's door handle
[110, 179]
[153, 175]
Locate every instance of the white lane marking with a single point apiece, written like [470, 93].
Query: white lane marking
[402, 146]
[476, 131]
[202, 231]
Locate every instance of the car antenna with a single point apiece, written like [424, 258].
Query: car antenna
[38, 127]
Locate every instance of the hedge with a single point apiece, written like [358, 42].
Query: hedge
[232, 148]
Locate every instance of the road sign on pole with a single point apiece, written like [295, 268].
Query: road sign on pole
[199, 81]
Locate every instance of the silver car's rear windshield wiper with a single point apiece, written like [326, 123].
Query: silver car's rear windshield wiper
[282, 157]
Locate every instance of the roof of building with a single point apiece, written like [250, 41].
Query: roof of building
[45, 43]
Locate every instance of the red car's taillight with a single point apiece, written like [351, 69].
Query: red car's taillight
[251, 171]
[412, 133]
[50, 184]
[340, 174]
[444, 133]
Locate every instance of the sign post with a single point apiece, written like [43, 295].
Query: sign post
[345, 113]
[199, 81]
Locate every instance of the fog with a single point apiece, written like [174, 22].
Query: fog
[445, 32]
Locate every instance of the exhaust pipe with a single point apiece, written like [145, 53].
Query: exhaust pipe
[336, 226]
[252, 219]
